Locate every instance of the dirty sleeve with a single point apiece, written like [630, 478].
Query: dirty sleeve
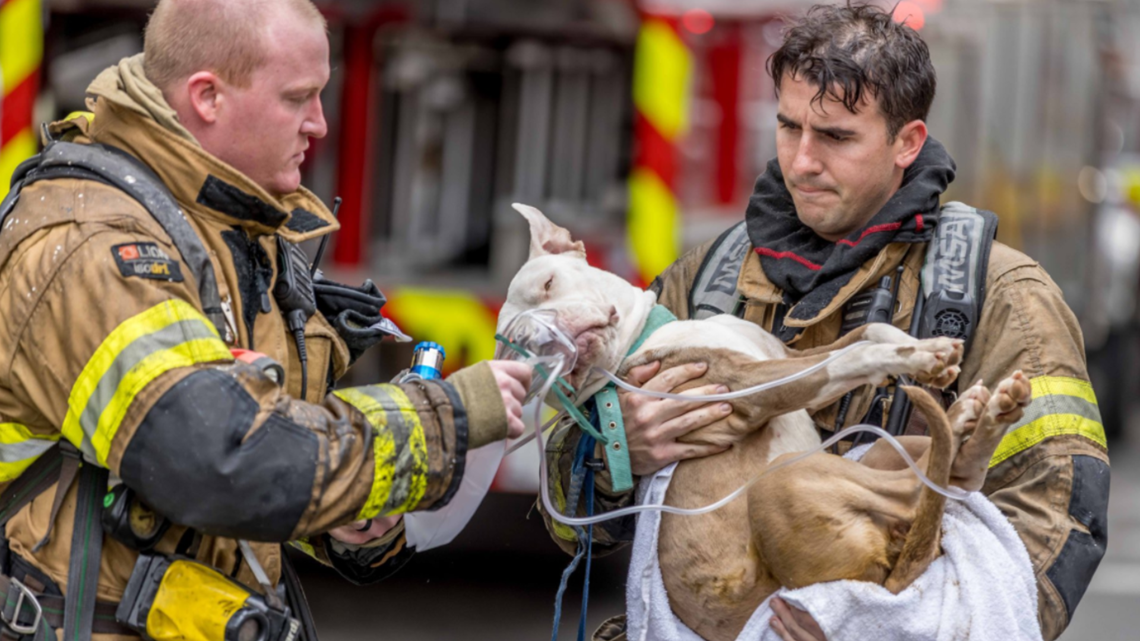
[1050, 473]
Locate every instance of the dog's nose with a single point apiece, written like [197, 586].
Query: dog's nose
[614, 316]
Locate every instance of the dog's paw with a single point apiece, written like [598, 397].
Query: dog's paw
[966, 411]
[1010, 399]
[934, 361]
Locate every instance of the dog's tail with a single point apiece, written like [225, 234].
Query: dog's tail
[924, 540]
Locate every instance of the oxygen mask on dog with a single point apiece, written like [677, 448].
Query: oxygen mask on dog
[537, 338]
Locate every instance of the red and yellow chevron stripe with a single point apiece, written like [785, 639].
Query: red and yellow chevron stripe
[662, 68]
[21, 53]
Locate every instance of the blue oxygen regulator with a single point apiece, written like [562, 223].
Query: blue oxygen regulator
[427, 360]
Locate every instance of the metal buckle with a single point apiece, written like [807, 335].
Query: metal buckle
[14, 624]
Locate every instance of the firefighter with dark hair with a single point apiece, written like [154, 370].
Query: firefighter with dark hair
[144, 256]
[853, 197]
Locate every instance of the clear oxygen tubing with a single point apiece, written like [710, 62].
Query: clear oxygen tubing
[544, 490]
[709, 398]
[517, 445]
[728, 396]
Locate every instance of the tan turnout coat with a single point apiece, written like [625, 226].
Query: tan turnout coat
[72, 315]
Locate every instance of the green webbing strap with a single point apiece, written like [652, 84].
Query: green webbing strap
[20, 608]
[561, 388]
[579, 417]
[86, 549]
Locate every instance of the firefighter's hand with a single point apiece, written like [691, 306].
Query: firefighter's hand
[653, 425]
[793, 624]
[361, 532]
[514, 381]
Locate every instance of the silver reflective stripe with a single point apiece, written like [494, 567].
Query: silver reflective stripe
[170, 336]
[1057, 404]
[24, 450]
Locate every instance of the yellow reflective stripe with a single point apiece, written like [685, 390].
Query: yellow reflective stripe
[21, 41]
[1062, 386]
[19, 448]
[130, 330]
[1029, 435]
[392, 458]
[12, 471]
[17, 433]
[192, 352]
[306, 547]
[653, 223]
[21, 147]
[563, 531]
[1061, 406]
[383, 449]
[417, 443]
[86, 115]
[662, 65]
[161, 358]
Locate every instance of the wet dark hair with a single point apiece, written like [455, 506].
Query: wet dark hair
[851, 50]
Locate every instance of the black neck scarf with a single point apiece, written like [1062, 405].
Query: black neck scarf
[811, 270]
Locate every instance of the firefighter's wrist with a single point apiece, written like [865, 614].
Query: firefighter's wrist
[486, 413]
[375, 532]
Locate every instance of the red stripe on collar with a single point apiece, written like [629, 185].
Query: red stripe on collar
[764, 251]
[870, 230]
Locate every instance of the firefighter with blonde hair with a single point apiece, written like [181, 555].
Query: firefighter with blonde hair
[165, 406]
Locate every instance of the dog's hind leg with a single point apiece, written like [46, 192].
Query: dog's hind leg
[1004, 408]
[963, 415]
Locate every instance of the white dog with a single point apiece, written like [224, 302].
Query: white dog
[873, 518]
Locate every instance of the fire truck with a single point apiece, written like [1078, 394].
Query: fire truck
[640, 125]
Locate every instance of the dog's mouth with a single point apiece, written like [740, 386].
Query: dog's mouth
[591, 343]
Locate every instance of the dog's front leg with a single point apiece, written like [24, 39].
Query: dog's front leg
[873, 332]
[931, 362]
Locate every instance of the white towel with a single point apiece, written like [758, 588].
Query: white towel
[981, 588]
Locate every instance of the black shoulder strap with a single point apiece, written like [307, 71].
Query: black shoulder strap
[954, 275]
[714, 288]
[114, 167]
[42, 474]
[953, 286]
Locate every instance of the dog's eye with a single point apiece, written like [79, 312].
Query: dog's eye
[549, 283]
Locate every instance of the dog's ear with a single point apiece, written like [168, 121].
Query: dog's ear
[546, 237]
